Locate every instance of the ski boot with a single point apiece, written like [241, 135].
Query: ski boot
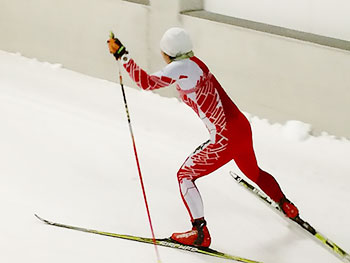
[288, 208]
[199, 235]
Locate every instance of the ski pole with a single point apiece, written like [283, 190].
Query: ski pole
[138, 163]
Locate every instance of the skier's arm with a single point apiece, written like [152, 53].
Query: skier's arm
[144, 80]
[141, 78]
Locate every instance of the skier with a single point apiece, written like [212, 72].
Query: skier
[230, 131]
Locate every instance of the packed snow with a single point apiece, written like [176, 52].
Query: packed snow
[66, 154]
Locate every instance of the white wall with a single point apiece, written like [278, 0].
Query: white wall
[73, 32]
[323, 17]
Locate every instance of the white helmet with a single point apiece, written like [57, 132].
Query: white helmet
[175, 42]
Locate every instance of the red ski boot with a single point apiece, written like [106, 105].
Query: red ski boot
[288, 208]
[199, 235]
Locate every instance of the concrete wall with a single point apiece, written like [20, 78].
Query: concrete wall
[324, 17]
[268, 75]
[74, 32]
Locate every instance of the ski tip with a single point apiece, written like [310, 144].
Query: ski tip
[111, 34]
[41, 219]
[38, 217]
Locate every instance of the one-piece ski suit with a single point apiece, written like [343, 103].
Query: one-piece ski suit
[230, 131]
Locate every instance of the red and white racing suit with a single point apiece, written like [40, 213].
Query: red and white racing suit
[230, 132]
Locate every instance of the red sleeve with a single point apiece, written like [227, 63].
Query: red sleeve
[145, 81]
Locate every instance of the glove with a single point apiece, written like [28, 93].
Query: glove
[116, 47]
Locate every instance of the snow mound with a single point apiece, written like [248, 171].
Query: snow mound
[296, 130]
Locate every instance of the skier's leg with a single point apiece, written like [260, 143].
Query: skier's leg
[206, 159]
[241, 143]
[246, 162]
[245, 159]
[191, 198]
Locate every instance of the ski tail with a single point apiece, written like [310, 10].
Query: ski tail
[322, 239]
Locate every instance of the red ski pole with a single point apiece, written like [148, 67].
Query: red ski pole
[138, 164]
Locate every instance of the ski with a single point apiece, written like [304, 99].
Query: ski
[323, 240]
[165, 242]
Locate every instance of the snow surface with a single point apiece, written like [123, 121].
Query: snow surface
[66, 154]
